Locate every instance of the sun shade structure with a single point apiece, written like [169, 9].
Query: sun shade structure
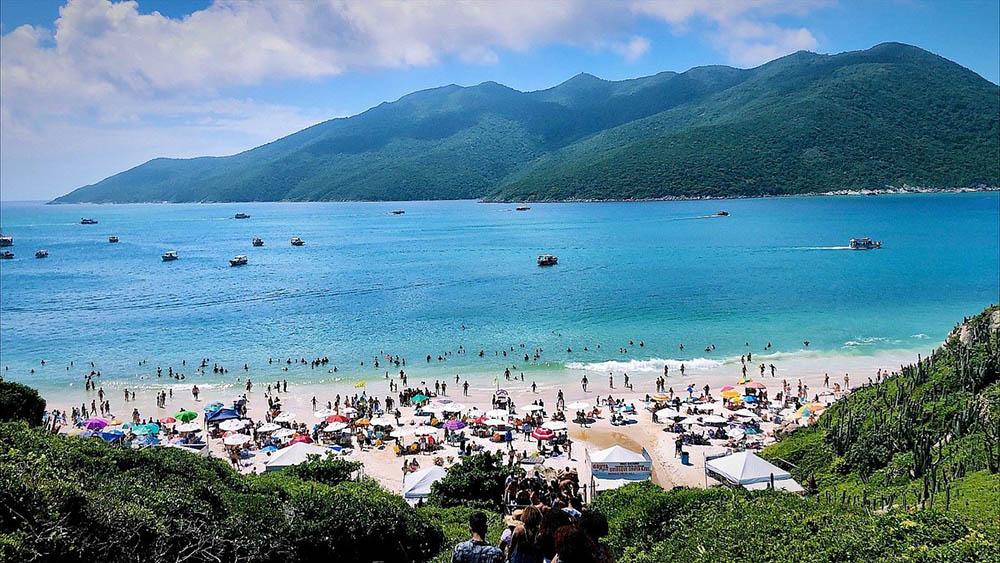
[748, 470]
[417, 485]
[293, 455]
[542, 434]
[221, 414]
[619, 464]
[285, 417]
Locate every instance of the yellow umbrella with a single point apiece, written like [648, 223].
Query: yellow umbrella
[661, 397]
[732, 393]
[361, 422]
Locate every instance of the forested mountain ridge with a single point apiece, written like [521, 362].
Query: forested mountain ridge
[892, 114]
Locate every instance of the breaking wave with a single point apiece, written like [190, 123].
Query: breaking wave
[652, 365]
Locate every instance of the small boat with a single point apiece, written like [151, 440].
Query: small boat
[42, 253]
[6, 255]
[723, 214]
[547, 260]
[296, 241]
[397, 212]
[169, 256]
[241, 216]
[865, 243]
[86, 221]
[112, 239]
[239, 260]
[6, 241]
[522, 208]
[258, 242]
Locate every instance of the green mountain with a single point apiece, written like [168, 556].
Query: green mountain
[892, 114]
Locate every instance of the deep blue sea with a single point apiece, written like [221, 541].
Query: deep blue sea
[367, 281]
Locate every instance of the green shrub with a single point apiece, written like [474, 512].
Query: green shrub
[20, 403]
[478, 482]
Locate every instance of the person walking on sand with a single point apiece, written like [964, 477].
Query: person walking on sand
[465, 387]
[195, 391]
[584, 382]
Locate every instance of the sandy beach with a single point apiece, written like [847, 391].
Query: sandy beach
[383, 465]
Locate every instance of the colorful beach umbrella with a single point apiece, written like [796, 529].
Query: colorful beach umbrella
[728, 388]
[419, 398]
[186, 416]
[95, 423]
[168, 420]
[454, 424]
[542, 434]
[303, 438]
[732, 393]
[756, 385]
[337, 418]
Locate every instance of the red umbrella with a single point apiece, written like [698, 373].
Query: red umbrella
[480, 420]
[301, 438]
[542, 434]
[168, 420]
[756, 385]
[337, 418]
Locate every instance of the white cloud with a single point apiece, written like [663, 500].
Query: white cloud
[109, 78]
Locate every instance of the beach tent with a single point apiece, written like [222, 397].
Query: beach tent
[417, 485]
[617, 462]
[293, 455]
[750, 471]
[220, 415]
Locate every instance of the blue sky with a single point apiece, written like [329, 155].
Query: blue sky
[89, 88]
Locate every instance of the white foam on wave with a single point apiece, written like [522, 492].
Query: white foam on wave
[865, 341]
[920, 335]
[652, 365]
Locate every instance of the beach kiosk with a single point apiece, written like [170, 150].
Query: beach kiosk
[618, 466]
[417, 485]
[747, 470]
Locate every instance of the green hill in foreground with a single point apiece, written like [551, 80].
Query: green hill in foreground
[805, 123]
[905, 470]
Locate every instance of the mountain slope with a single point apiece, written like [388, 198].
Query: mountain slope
[807, 122]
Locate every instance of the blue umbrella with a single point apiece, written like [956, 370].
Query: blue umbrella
[269, 449]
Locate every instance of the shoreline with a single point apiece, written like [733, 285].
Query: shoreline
[847, 192]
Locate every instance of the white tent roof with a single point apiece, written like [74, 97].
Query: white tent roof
[745, 468]
[417, 485]
[294, 455]
[617, 454]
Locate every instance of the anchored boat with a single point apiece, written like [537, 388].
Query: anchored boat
[169, 256]
[296, 241]
[258, 242]
[240, 260]
[41, 253]
[112, 239]
[86, 221]
[547, 260]
[6, 241]
[242, 216]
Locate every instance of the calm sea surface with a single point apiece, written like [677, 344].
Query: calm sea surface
[368, 281]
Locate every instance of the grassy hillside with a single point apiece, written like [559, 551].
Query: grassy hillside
[893, 114]
[928, 436]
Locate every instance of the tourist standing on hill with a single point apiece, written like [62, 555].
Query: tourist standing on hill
[476, 550]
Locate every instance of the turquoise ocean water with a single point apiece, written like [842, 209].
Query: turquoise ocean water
[368, 281]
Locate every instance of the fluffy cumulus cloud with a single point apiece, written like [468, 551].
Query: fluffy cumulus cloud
[147, 85]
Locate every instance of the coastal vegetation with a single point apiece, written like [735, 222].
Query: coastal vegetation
[890, 115]
[19, 402]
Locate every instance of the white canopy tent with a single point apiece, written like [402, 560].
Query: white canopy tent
[294, 455]
[616, 466]
[417, 485]
[750, 471]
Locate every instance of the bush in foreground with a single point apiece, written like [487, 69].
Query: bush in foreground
[20, 403]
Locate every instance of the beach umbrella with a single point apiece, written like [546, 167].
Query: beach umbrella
[419, 398]
[382, 421]
[284, 433]
[479, 420]
[495, 422]
[400, 432]
[335, 427]
[269, 449]
[667, 413]
[301, 438]
[362, 422]
[147, 440]
[95, 423]
[86, 434]
[690, 420]
[186, 416]
[337, 418]
[659, 397]
[268, 427]
[554, 425]
[728, 388]
[436, 409]
[348, 410]
[755, 385]
[497, 413]
[232, 424]
[736, 433]
[188, 427]
[168, 420]
[532, 408]
[236, 440]
[743, 380]
[542, 434]
[746, 413]
[323, 413]
[214, 406]
[140, 430]
[285, 417]
[116, 421]
[425, 431]
[454, 407]
[454, 424]
[732, 393]
[713, 419]
[578, 405]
